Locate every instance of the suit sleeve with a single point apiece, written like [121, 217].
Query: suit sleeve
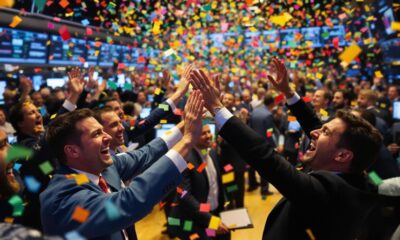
[306, 116]
[131, 163]
[127, 206]
[294, 185]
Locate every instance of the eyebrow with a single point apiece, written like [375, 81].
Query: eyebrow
[324, 127]
[99, 130]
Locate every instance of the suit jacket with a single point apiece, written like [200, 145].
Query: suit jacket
[132, 203]
[197, 186]
[261, 120]
[331, 206]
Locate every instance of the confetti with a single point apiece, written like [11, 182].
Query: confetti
[174, 221]
[228, 177]
[17, 152]
[18, 205]
[80, 214]
[15, 21]
[187, 226]
[46, 167]
[205, 207]
[214, 223]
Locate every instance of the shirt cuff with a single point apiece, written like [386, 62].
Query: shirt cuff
[293, 99]
[69, 106]
[221, 117]
[171, 104]
[171, 137]
[177, 159]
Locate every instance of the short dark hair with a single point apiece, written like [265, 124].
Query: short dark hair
[360, 137]
[16, 115]
[99, 111]
[268, 100]
[63, 131]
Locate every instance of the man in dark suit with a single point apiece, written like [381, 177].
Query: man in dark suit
[204, 187]
[333, 201]
[86, 194]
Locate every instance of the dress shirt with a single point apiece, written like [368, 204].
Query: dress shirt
[212, 179]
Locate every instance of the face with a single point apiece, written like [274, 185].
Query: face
[32, 123]
[92, 155]
[60, 95]
[116, 106]
[338, 100]
[37, 99]
[2, 118]
[323, 147]
[8, 183]
[45, 92]
[319, 100]
[205, 140]
[246, 96]
[392, 93]
[141, 98]
[113, 126]
[362, 101]
[228, 100]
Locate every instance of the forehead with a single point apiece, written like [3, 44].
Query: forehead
[108, 117]
[88, 125]
[206, 128]
[28, 106]
[338, 94]
[336, 125]
[113, 104]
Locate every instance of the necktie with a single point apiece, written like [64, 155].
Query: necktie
[103, 184]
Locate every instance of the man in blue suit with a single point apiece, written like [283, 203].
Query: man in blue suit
[72, 204]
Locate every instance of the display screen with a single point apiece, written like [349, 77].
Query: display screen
[93, 53]
[18, 46]
[3, 85]
[66, 52]
[109, 53]
[56, 82]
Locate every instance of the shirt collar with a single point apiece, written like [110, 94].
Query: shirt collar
[93, 178]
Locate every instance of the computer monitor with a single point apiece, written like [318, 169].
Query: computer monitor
[37, 81]
[396, 110]
[121, 80]
[164, 128]
[56, 82]
[3, 84]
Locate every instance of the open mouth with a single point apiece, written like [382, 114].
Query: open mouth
[311, 147]
[105, 150]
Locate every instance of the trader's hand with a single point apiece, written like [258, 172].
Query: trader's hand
[281, 81]
[222, 229]
[210, 90]
[192, 117]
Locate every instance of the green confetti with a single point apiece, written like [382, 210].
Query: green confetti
[46, 167]
[112, 210]
[40, 4]
[325, 34]
[128, 86]
[375, 178]
[174, 221]
[187, 226]
[232, 188]
[112, 85]
[18, 205]
[164, 106]
[207, 7]
[18, 152]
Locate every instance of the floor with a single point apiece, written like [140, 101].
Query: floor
[151, 226]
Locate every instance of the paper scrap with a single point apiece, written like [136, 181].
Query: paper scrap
[228, 177]
[80, 214]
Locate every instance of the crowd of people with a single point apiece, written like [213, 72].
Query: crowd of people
[86, 163]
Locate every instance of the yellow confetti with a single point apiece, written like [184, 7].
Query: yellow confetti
[228, 177]
[15, 21]
[350, 53]
[214, 223]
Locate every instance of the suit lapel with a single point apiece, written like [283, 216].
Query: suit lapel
[112, 178]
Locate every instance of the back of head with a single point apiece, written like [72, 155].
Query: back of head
[98, 112]
[63, 131]
[16, 115]
[360, 137]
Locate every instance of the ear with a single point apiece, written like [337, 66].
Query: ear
[344, 156]
[71, 151]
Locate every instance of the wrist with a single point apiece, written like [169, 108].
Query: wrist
[289, 94]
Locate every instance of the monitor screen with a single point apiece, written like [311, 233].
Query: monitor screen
[93, 52]
[18, 46]
[396, 110]
[56, 82]
[3, 84]
[37, 81]
[109, 53]
[164, 128]
[121, 80]
[71, 52]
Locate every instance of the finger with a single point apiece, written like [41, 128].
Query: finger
[272, 81]
[194, 80]
[206, 80]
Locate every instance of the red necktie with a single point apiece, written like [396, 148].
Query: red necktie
[103, 184]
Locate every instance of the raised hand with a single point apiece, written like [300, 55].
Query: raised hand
[281, 81]
[209, 89]
[166, 78]
[192, 117]
[75, 84]
[183, 85]
[92, 83]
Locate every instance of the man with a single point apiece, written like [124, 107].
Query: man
[341, 100]
[262, 122]
[320, 101]
[202, 188]
[331, 202]
[82, 147]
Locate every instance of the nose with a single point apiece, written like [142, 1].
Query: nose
[107, 138]
[315, 133]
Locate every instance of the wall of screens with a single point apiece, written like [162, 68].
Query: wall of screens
[21, 47]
